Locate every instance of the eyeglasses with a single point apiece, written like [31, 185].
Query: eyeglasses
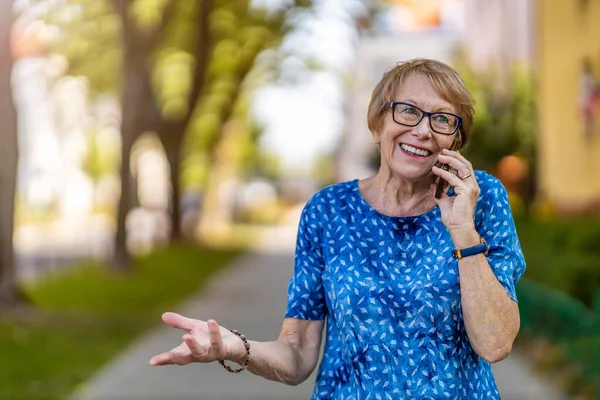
[409, 115]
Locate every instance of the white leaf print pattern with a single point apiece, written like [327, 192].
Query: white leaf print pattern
[389, 290]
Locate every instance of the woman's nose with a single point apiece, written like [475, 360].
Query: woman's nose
[422, 130]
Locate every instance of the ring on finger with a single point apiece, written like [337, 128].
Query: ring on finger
[465, 177]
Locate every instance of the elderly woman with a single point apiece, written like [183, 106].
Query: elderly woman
[418, 291]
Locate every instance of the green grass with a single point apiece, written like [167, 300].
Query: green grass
[84, 315]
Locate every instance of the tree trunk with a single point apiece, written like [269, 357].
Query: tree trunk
[172, 145]
[136, 85]
[10, 295]
[172, 133]
[121, 258]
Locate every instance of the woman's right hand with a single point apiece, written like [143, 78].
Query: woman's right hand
[204, 341]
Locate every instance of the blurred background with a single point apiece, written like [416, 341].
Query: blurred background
[143, 137]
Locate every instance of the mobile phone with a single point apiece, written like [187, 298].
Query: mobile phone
[441, 184]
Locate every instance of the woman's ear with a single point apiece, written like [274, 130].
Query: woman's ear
[376, 137]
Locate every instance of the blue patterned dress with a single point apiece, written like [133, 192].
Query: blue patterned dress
[389, 289]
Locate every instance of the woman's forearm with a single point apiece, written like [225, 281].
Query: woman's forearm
[491, 317]
[291, 358]
[281, 362]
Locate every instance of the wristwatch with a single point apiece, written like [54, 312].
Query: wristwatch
[482, 247]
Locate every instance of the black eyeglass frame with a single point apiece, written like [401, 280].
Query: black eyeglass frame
[423, 115]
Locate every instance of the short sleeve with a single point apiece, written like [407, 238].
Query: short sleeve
[306, 298]
[496, 225]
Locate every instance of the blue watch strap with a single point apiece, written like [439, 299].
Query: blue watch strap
[482, 247]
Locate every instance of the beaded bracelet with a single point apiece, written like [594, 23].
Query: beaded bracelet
[246, 358]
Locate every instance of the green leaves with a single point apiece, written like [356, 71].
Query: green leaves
[163, 40]
[505, 116]
[89, 40]
[148, 13]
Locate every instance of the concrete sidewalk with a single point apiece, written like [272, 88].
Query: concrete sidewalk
[249, 296]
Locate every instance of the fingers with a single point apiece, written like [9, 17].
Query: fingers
[201, 346]
[179, 355]
[214, 332]
[202, 341]
[196, 349]
[162, 359]
[179, 321]
[449, 177]
[457, 155]
[205, 348]
[464, 181]
[457, 161]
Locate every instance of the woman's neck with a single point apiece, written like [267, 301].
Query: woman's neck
[393, 196]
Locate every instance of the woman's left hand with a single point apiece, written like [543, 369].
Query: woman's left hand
[457, 211]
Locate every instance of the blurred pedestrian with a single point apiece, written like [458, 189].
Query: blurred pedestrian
[418, 291]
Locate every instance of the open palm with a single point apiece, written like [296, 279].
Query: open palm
[204, 341]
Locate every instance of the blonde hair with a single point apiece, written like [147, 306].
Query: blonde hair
[446, 82]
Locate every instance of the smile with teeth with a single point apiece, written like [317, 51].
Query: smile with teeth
[415, 151]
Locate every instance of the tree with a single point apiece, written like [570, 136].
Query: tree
[10, 295]
[140, 113]
[181, 60]
[140, 46]
[179, 65]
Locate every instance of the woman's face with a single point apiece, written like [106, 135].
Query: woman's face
[411, 152]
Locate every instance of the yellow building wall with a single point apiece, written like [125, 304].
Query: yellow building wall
[568, 32]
